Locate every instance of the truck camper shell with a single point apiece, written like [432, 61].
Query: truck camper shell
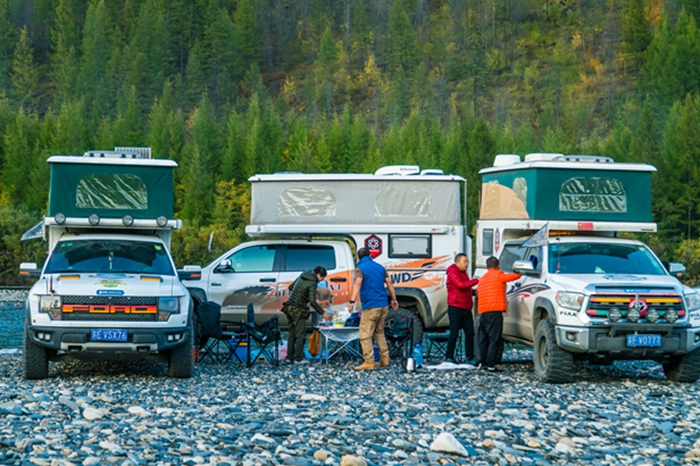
[297, 204]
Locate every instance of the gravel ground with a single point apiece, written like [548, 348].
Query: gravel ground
[130, 413]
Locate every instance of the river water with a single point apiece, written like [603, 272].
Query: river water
[11, 324]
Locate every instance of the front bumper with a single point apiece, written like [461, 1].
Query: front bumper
[76, 340]
[612, 340]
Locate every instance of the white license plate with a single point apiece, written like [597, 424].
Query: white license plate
[109, 334]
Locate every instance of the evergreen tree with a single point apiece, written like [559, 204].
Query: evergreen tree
[7, 40]
[253, 139]
[247, 38]
[25, 73]
[402, 39]
[65, 38]
[129, 126]
[219, 56]
[636, 29]
[166, 135]
[73, 133]
[19, 142]
[97, 45]
[233, 166]
[198, 195]
[358, 145]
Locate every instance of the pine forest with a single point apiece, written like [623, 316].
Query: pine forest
[231, 88]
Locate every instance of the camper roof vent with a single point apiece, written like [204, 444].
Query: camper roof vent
[402, 170]
[541, 157]
[121, 153]
[584, 158]
[432, 171]
[502, 160]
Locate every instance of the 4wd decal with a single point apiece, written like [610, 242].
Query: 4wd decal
[426, 274]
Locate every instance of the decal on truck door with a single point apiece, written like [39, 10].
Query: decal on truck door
[374, 244]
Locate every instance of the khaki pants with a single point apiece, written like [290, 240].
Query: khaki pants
[372, 326]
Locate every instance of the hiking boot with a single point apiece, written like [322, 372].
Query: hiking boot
[382, 364]
[365, 366]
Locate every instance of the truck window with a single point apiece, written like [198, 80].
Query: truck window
[603, 258]
[109, 256]
[111, 191]
[510, 254]
[253, 259]
[301, 258]
[410, 246]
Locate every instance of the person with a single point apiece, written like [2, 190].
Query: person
[370, 279]
[491, 305]
[459, 310]
[302, 293]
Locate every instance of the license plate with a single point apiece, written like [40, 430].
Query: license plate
[644, 340]
[109, 334]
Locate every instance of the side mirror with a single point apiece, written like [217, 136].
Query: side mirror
[29, 269]
[225, 266]
[676, 269]
[190, 272]
[525, 268]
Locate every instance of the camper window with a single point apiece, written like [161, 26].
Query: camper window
[111, 191]
[410, 246]
[595, 194]
[306, 202]
[393, 202]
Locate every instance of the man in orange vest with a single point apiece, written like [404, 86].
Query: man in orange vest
[491, 306]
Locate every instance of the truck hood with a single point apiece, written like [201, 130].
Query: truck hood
[618, 283]
[98, 284]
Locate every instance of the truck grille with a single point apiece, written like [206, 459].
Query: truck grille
[109, 308]
[599, 305]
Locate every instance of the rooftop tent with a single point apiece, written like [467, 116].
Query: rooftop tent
[296, 199]
[111, 188]
[612, 192]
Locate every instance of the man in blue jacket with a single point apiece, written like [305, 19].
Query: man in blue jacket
[370, 281]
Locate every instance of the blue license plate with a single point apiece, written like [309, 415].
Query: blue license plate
[648, 341]
[109, 334]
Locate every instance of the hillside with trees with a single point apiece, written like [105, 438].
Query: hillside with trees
[229, 88]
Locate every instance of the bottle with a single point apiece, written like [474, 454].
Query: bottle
[418, 355]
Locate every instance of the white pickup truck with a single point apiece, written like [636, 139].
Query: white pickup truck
[585, 294]
[109, 288]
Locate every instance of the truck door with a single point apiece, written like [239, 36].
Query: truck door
[524, 300]
[301, 257]
[248, 275]
[512, 252]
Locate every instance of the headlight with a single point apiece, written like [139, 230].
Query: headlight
[632, 315]
[169, 304]
[652, 315]
[570, 300]
[692, 302]
[49, 303]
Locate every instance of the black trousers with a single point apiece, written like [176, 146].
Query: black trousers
[460, 319]
[490, 329]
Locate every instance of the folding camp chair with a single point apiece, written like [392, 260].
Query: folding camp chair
[398, 332]
[260, 337]
[211, 341]
[437, 346]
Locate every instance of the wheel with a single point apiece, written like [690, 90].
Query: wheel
[684, 368]
[403, 312]
[181, 359]
[36, 359]
[552, 363]
[477, 353]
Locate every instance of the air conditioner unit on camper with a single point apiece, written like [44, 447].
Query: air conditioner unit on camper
[402, 170]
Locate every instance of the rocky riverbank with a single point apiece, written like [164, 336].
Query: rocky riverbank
[130, 413]
[13, 295]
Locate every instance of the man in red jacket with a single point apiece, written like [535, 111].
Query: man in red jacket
[459, 301]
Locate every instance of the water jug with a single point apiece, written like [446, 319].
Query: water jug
[418, 355]
[410, 364]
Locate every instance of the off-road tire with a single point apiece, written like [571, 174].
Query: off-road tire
[552, 363]
[477, 352]
[685, 369]
[36, 359]
[181, 360]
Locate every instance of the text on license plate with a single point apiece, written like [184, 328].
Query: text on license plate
[109, 334]
[644, 340]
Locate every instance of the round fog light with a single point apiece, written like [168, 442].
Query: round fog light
[60, 218]
[652, 315]
[128, 220]
[671, 315]
[94, 219]
[161, 221]
[614, 314]
[633, 315]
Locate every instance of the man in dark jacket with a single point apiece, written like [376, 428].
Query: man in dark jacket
[459, 310]
[302, 293]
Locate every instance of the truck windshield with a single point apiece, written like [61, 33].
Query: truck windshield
[109, 256]
[603, 258]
